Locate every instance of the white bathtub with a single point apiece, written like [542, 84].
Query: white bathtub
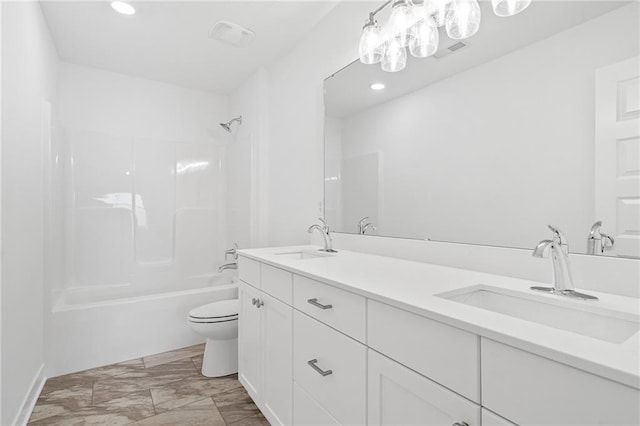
[89, 328]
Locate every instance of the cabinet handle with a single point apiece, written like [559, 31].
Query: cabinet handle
[259, 303]
[460, 424]
[315, 303]
[254, 301]
[320, 371]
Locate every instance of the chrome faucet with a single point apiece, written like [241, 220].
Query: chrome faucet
[364, 224]
[558, 250]
[225, 266]
[324, 230]
[597, 241]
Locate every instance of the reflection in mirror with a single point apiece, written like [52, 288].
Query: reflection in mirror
[535, 120]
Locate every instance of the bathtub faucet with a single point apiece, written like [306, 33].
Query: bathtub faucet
[232, 265]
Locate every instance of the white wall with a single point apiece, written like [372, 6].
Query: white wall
[296, 121]
[493, 154]
[245, 162]
[29, 61]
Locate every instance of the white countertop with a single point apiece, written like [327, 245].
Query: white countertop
[413, 286]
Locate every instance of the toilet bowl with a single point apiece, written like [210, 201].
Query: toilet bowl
[218, 322]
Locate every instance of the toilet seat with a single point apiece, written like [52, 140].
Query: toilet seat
[222, 311]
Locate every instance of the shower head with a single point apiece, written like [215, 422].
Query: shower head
[227, 125]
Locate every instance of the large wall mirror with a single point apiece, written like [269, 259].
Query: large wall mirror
[533, 121]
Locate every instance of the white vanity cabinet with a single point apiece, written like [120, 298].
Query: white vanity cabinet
[265, 342]
[315, 354]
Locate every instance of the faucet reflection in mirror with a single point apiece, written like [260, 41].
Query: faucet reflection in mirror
[558, 250]
[365, 224]
[414, 24]
[598, 241]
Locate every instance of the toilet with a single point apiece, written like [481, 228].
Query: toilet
[218, 322]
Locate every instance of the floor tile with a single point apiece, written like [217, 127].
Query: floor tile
[165, 357]
[175, 394]
[253, 420]
[235, 405]
[148, 378]
[54, 402]
[118, 411]
[200, 413]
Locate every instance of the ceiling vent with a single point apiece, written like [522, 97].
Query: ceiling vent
[455, 47]
[231, 33]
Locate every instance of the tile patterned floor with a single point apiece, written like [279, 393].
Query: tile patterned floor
[164, 389]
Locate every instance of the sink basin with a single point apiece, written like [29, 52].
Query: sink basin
[303, 254]
[587, 320]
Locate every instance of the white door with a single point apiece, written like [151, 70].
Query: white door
[617, 155]
[399, 396]
[277, 329]
[249, 341]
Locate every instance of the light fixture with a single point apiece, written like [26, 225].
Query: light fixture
[377, 86]
[509, 7]
[427, 37]
[372, 46]
[401, 21]
[463, 19]
[123, 7]
[416, 26]
[395, 56]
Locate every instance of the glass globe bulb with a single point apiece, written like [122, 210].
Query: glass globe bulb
[426, 39]
[395, 56]
[463, 19]
[509, 7]
[438, 10]
[371, 48]
[401, 22]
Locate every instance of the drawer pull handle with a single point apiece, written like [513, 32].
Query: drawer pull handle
[320, 371]
[460, 424]
[315, 303]
[257, 302]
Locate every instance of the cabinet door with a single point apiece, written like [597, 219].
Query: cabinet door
[277, 329]
[399, 396]
[249, 341]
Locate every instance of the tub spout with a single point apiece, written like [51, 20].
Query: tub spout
[232, 265]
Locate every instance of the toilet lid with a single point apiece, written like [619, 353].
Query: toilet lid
[224, 310]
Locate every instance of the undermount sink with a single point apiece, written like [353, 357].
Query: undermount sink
[587, 320]
[303, 254]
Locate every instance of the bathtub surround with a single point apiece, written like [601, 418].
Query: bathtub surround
[141, 170]
[166, 388]
[29, 68]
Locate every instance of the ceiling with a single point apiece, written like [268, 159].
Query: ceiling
[348, 91]
[168, 41]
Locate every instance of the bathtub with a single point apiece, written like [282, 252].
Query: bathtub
[92, 327]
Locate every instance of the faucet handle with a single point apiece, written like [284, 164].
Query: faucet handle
[595, 229]
[232, 251]
[324, 224]
[559, 237]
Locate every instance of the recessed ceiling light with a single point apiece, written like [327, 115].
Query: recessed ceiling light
[123, 7]
[377, 86]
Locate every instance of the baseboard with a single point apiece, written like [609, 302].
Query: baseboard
[30, 398]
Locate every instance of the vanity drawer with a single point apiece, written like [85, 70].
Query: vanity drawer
[337, 308]
[529, 389]
[249, 271]
[343, 391]
[306, 411]
[445, 354]
[277, 283]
